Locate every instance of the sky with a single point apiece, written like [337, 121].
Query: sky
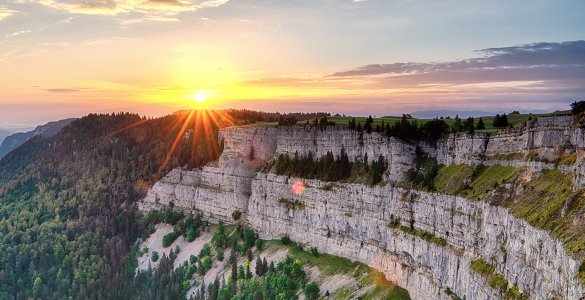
[67, 58]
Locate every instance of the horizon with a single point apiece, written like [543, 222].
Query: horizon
[422, 114]
[69, 59]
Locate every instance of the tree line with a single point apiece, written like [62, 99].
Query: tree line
[331, 168]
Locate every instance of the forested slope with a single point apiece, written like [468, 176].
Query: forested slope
[67, 216]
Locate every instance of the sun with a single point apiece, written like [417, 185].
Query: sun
[199, 96]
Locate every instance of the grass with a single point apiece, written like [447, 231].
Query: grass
[292, 204]
[568, 159]
[515, 119]
[495, 279]
[427, 236]
[488, 178]
[473, 182]
[451, 179]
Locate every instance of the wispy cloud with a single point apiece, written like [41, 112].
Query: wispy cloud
[107, 40]
[17, 33]
[5, 12]
[63, 90]
[144, 19]
[534, 57]
[145, 7]
[65, 21]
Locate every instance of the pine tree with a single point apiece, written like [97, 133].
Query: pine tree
[480, 124]
[264, 266]
[259, 267]
[469, 127]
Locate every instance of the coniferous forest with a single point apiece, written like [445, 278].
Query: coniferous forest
[67, 211]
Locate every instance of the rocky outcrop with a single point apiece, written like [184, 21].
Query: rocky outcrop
[212, 192]
[260, 144]
[357, 145]
[540, 144]
[428, 248]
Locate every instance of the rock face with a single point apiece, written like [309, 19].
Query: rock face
[303, 140]
[352, 220]
[540, 144]
[213, 192]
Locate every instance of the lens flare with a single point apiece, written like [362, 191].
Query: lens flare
[298, 188]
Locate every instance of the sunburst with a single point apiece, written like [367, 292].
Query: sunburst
[202, 122]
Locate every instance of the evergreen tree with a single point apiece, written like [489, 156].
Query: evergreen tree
[469, 125]
[480, 124]
[258, 269]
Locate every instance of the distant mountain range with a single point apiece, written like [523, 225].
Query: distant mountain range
[4, 133]
[430, 114]
[12, 141]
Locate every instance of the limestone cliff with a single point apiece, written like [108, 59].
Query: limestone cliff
[540, 144]
[423, 241]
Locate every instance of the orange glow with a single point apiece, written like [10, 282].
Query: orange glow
[298, 187]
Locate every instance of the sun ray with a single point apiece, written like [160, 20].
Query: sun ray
[135, 124]
[174, 145]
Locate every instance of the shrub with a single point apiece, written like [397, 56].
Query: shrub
[285, 240]
[236, 215]
[581, 273]
[154, 256]
[206, 263]
[482, 267]
[394, 222]
[259, 244]
[498, 281]
[314, 251]
[205, 251]
[168, 239]
[192, 234]
[311, 291]
[577, 107]
[186, 284]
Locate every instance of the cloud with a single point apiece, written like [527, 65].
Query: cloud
[63, 90]
[127, 22]
[542, 74]
[538, 57]
[146, 7]
[17, 33]
[65, 21]
[5, 13]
